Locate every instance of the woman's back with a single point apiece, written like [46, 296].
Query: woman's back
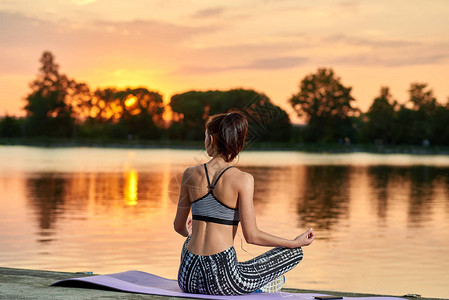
[213, 192]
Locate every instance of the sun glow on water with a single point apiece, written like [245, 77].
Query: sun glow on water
[130, 192]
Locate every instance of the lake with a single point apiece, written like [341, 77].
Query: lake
[382, 221]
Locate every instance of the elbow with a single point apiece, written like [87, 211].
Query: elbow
[178, 228]
[252, 238]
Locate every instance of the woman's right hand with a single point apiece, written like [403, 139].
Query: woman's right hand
[189, 225]
[305, 239]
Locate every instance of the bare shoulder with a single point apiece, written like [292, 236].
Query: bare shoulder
[188, 171]
[242, 179]
[191, 173]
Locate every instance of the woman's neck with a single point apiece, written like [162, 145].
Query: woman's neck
[218, 160]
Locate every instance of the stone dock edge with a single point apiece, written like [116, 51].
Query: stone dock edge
[35, 284]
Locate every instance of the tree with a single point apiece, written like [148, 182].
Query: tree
[440, 130]
[126, 113]
[142, 112]
[326, 104]
[190, 111]
[420, 98]
[424, 107]
[267, 122]
[10, 127]
[49, 107]
[381, 118]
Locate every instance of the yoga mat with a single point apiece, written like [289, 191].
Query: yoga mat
[146, 283]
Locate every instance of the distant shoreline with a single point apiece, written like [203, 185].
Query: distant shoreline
[258, 146]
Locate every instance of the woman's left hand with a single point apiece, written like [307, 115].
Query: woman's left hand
[305, 239]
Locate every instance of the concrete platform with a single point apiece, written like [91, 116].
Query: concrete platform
[35, 284]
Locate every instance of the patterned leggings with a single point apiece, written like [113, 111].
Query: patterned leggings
[222, 274]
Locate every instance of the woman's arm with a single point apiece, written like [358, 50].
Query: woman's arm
[253, 235]
[183, 210]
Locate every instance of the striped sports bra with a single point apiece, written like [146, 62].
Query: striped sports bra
[208, 208]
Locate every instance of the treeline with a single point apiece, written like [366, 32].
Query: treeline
[327, 106]
[59, 107]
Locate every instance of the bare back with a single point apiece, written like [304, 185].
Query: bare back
[208, 237]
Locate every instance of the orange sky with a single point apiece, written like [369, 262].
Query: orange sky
[266, 45]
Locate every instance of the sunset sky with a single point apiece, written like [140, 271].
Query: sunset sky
[266, 45]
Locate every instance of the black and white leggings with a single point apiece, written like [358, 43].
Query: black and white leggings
[222, 274]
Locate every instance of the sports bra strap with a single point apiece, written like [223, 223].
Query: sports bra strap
[220, 176]
[207, 176]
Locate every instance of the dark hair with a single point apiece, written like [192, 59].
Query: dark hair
[229, 131]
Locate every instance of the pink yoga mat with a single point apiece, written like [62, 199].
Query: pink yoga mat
[146, 283]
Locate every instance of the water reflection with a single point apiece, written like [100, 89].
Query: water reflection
[46, 193]
[321, 194]
[53, 195]
[423, 181]
[422, 187]
[325, 196]
[126, 215]
[267, 181]
[131, 187]
[379, 177]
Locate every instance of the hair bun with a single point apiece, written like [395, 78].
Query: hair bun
[229, 131]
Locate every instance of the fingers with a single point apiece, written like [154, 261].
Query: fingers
[306, 238]
[308, 233]
[310, 236]
[189, 225]
[311, 233]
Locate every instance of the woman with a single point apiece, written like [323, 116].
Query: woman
[220, 196]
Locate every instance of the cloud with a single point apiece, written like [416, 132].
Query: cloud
[350, 6]
[385, 52]
[357, 41]
[277, 63]
[26, 32]
[147, 31]
[418, 59]
[95, 47]
[197, 49]
[259, 64]
[83, 2]
[209, 12]
[392, 61]
[17, 28]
